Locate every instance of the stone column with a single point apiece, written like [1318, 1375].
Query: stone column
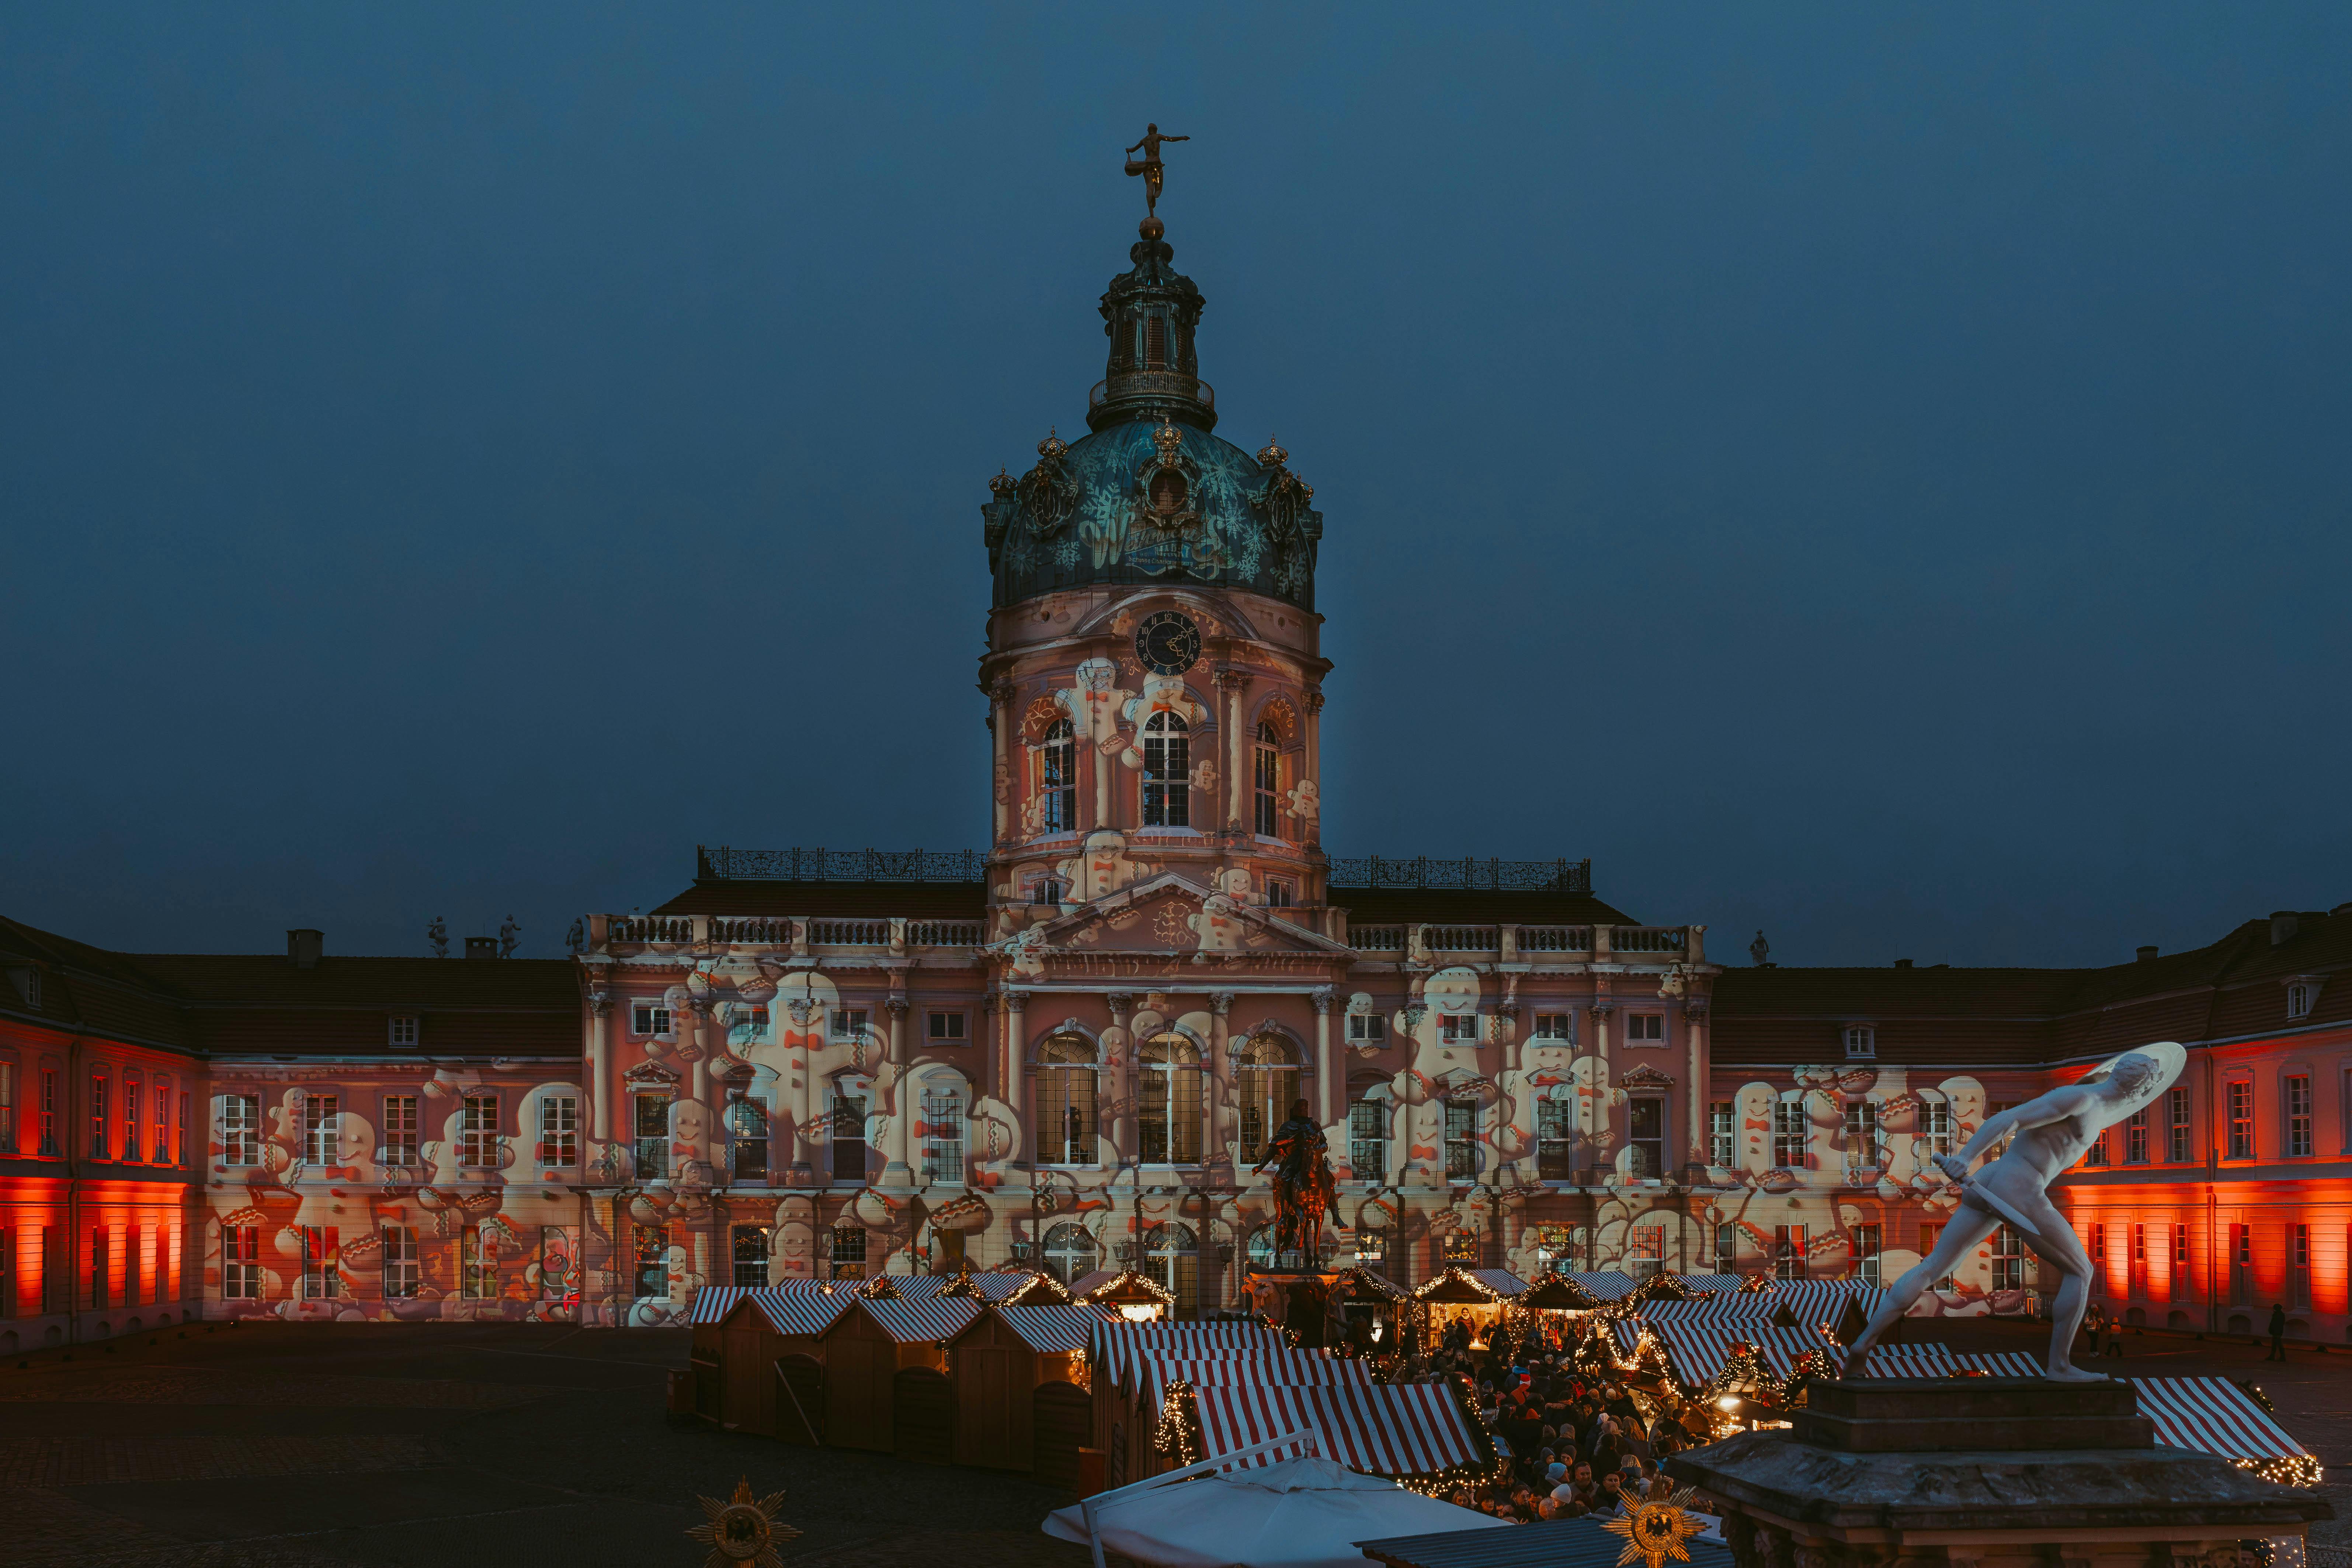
[1328, 1094]
[700, 1007]
[1016, 1074]
[803, 1090]
[1220, 1003]
[1120, 1086]
[600, 1061]
[1694, 1075]
[1232, 683]
[1000, 726]
[1511, 1019]
[900, 1171]
[1598, 1117]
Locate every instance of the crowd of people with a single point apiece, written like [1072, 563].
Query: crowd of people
[1577, 1444]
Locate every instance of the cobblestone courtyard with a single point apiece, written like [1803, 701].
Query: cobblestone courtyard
[394, 1447]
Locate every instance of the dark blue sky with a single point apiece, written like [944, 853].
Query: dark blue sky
[1875, 473]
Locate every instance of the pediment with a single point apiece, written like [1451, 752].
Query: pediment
[1167, 915]
[649, 1072]
[1645, 1076]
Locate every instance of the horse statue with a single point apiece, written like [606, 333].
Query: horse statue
[1302, 1186]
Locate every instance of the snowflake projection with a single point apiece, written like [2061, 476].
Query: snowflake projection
[1102, 522]
[1066, 553]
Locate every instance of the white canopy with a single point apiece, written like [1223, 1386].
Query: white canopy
[1300, 1513]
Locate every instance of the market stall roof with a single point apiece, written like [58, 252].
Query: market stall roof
[1812, 1301]
[1052, 1328]
[1367, 1282]
[1383, 1430]
[1697, 1351]
[1301, 1513]
[1552, 1543]
[1472, 1287]
[1558, 1293]
[1019, 1284]
[919, 1321]
[2000, 1363]
[1714, 1310]
[2213, 1415]
[792, 1310]
[1605, 1286]
[1283, 1369]
[713, 1302]
[1118, 1346]
[1905, 1361]
[1726, 1283]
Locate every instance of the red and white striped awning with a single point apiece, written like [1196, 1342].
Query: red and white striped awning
[1726, 1283]
[1118, 1345]
[1380, 1430]
[1903, 1360]
[713, 1302]
[1055, 1328]
[1816, 1301]
[1999, 1364]
[1282, 1369]
[917, 1320]
[2212, 1415]
[1716, 1309]
[1697, 1351]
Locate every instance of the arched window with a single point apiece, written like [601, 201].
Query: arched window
[1261, 1249]
[747, 1140]
[1169, 1107]
[1268, 1083]
[1171, 1258]
[1269, 783]
[1155, 342]
[1071, 1253]
[1066, 1101]
[1057, 779]
[1167, 766]
[939, 1131]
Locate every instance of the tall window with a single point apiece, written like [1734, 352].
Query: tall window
[2298, 1115]
[653, 1262]
[2098, 1259]
[652, 1137]
[2135, 1138]
[559, 1260]
[321, 1264]
[1269, 782]
[2298, 1266]
[319, 1129]
[100, 1142]
[1788, 1133]
[747, 1143]
[750, 1255]
[848, 1135]
[2242, 1119]
[2179, 1146]
[1070, 1252]
[1167, 769]
[180, 1130]
[1269, 1084]
[1367, 1136]
[1169, 1112]
[2298, 1000]
[1646, 1253]
[240, 1127]
[848, 1256]
[1555, 1139]
[400, 1277]
[1861, 1137]
[1171, 1257]
[134, 1096]
[1864, 1245]
[1057, 779]
[2181, 1263]
[1722, 1133]
[1727, 1248]
[1461, 1140]
[1646, 1123]
[398, 1146]
[477, 1132]
[2097, 1152]
[1065, 1101]
[940, 1130]
[1788, 1252]
[2008, 1260]
[9, 1133]
[2138, 1259]
[163, 1133]
[477, 1264]
[48, 1114]
[558, 1130]
[1935, 1126]
[2242, 1265]
[241, 1262]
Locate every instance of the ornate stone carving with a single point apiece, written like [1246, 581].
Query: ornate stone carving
[1220, 1003]
[1121, 1002]
[1324, 998]
[895, 1006]
[600, 1003]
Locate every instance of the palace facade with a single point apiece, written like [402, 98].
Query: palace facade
[1069, 1050]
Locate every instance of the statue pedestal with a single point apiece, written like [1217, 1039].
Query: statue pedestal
[1990, 1471]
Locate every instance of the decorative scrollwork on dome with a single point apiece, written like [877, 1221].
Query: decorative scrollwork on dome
[1285, 504]
[1049, 493]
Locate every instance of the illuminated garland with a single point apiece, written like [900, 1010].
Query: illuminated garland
[1176, 1438]
[2287, 1471]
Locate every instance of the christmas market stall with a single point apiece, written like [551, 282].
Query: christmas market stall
[1478, 1299]
[886, 1381]
[1370, 1307]
[1013, 1284]
[1607, 1285]
[2214, 1416]
[1422, 1434]
[1019, 1389]
[767, 1358]
[1161, 1384]
[1117, 1353]
[1840, 1308]
[1135, 1296]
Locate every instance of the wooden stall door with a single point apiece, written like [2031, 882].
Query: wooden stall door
[1064, 1420]
[800, 1399]
[922, 1415]
[991, 1400]
[707, 1383]
[745, 1402]
[857, 1372]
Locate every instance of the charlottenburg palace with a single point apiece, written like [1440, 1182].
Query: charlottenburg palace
[1069, 1050]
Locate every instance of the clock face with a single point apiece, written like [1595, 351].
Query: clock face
[1168, 643]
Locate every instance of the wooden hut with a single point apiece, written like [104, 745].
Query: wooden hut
[1361, 1294]
[885, 1377]
[1477, 1296]
[1017, 1284]
[1019, 1386]
[767, 1358]
[1137, 1297]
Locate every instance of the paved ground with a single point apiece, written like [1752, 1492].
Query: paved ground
[382, 1445]
[385, 1445]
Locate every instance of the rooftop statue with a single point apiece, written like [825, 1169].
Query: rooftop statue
[1150, 166]
[2051, 1135]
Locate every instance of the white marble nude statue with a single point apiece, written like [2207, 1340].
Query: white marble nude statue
[2052, 1133]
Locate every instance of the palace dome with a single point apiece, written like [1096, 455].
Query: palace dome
[1149, 494]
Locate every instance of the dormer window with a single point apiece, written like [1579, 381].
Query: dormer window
[1861, 1042]
[402, 1035]
[2300, 993]
[33, 989]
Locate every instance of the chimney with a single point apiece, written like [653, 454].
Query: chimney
[2148, 953]
[2284, 924]
[482, 947]
[1902, 964]
[303, 947]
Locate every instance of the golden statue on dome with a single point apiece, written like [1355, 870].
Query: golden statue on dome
[1150, 166]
